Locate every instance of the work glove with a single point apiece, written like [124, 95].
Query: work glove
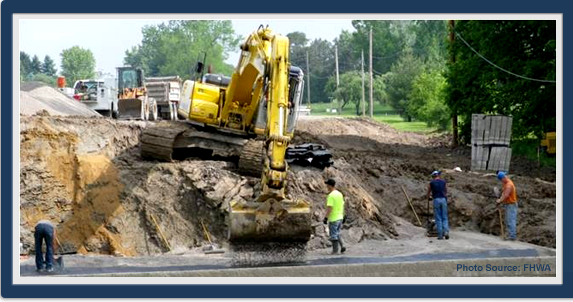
[325, 220]
[430, 198]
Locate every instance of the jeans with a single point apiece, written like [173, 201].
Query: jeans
[511, 220]
[441, 216]
[44, 232]
[334, 229]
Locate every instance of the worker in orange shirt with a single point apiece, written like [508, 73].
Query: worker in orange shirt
[509, 200]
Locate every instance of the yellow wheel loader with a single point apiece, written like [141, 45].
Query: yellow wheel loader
[132, 99]
[252, 117]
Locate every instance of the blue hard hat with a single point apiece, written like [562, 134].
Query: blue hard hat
[500, 175]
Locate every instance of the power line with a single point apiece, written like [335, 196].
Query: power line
[500, 68]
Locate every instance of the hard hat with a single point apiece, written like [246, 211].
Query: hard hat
[500, 175]
[436, 173]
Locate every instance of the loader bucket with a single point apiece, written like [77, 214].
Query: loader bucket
[131, 109]
[269, 221]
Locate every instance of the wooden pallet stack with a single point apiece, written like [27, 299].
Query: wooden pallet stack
[491, 135]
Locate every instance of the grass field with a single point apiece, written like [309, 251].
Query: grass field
[382, 113]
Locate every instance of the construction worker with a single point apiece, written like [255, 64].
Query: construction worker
[437, 190]
[45, 231]
[334, 215]
[509, 200]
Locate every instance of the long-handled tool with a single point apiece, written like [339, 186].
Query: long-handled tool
[411, 206]
[165, 242]
[501, 223]
[211, 248]
[501, 229]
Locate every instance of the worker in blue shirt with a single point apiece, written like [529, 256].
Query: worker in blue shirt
[437, 191]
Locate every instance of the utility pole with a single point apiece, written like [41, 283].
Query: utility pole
[371, 79]
[308, 80]
[336, 62]
[337, 79]
[454, 113]
[363, 92]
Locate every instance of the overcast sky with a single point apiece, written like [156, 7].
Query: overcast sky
[108, 39]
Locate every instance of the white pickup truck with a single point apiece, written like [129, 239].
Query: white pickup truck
[99, 95]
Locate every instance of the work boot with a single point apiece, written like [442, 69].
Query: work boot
[447, 235]
[334, 247]
[342, 248]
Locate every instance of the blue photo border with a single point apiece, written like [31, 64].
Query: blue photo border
[9, 290]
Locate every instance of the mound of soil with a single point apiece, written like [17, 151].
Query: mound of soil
[37, 98]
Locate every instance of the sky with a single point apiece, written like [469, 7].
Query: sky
[109, 39]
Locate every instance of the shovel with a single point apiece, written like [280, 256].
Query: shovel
[502, 232]
[211, 248]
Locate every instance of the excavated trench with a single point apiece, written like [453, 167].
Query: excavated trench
[86, 175]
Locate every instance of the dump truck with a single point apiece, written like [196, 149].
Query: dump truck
[166, 91]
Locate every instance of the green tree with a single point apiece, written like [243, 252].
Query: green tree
[349, 90]
[321, 60]
[173, 48]
[399, 82]
[389, 39]
[49, 67]
[427, 99]
[430, 42]
[348, 53]
[77, 63]
[36, 65]
[44, 78]
[25, 65]
[525, 48]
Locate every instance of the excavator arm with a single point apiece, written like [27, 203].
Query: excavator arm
[272, 217]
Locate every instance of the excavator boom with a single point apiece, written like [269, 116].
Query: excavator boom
[272, 217]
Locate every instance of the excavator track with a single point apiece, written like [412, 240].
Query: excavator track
[157, 141]
[251, 159]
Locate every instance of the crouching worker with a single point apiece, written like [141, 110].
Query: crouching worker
[437, 190]
[334, 215]
[45, 231]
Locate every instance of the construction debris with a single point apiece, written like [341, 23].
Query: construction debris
[309, 154]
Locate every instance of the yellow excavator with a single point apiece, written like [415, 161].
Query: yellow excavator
[252, 117]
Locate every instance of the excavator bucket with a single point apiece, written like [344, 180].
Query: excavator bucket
[131, 109]
[269, 221]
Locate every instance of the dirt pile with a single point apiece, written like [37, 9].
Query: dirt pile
[38, 98]
[86, 175]
[385, 160]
